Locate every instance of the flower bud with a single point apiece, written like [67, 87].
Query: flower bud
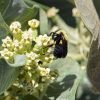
[44, 71]
[75, 12]
[7, 43]
[52, 12]
[7, 55]
[34, 23]
[34, 33]
[15, 28]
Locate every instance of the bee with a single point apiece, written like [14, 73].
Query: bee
[61, 45]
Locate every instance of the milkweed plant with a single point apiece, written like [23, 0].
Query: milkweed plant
[38, 53]
[29, 69]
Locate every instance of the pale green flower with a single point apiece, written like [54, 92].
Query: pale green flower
[31, 57]
[26, 36]
[7, 43]
[38, 51]
[34, 33]
[44, 40]
[44, 71]
[18, 48]
[6, 54]
[34, 23]
[52, 12]
[15, 27]
[75, 12]
[38, 40]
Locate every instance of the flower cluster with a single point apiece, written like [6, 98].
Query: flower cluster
[38, 50]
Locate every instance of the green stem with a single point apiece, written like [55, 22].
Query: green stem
[43, 93]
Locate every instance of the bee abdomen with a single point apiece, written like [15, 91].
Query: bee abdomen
[60, 51]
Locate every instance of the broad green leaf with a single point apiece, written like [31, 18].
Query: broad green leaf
[7, 75]
[3, 5]
[19, 60]
[89, 16]
[4, 29]
[93, 66]
[91, 20]
[43, 22]
[18, 10]
[66, 84]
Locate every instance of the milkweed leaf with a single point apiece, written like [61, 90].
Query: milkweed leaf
[65, 87]
[43, 22]
[89, 16]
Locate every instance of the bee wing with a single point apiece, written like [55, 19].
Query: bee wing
[89, 16]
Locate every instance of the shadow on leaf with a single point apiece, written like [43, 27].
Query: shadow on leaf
[56, 88]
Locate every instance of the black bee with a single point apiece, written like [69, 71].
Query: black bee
[61, 45]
